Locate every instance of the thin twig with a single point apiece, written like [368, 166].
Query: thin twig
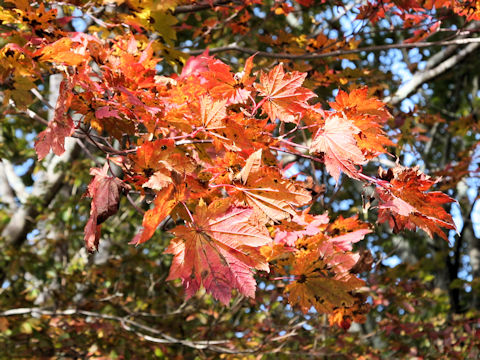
[141, 211]
[182, 9]
[134, 326]
[41, 98]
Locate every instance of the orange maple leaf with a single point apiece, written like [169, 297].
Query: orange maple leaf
[223, 84]
[155, 161]
[285, 98]
[343, 232]
[301, 225]
[344, 316]
[164, 203]
[319, 285]
[272, 197]
[62, 52]
[212, 113]
[368, 115]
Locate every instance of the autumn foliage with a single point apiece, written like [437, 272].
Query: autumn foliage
[205, 147]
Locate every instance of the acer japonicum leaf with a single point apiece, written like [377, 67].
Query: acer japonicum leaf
[105, 192]
[322, 264]
[368, 115]
[364, 263]
[284, 96]
[321, 282]
[196, 65]
[454, 172]
[253, 164]
[155, 161]
[336, 142]
[303, 225]
[223, 84]
[264, 189]
[343, 232]
[43, 24]
[344, 316]
[61, 126]
[62, 52]
[106, 112]
[218, 250]
[212, 113]
[404, 202]
[358, 103]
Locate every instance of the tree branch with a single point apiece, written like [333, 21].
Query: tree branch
[6, 191]
[313, 56]
[15, 182]
[427, 74]
[182, 9]
[134, 326]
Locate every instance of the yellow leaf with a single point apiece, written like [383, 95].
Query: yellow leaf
[163, 24]
[61, 51]
[26, 328]
[318, 286]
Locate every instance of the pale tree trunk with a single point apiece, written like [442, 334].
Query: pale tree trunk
[46, 186]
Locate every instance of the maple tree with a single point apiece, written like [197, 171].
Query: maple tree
[272, 173]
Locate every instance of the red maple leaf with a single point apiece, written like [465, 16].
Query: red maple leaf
[218, 250]
[405, 203]
[53, 137]
[285, 98]
[105, 192]
[337, 143]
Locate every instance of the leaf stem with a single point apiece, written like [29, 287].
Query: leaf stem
[188, 211]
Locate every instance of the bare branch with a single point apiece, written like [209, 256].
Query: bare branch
[160, 337]
[32, 114]
[423, 76]
[133, 326]
[337, 53]
[182, 9]
[41, 98]
[136, 207]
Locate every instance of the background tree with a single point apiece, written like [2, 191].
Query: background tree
[59, 64]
